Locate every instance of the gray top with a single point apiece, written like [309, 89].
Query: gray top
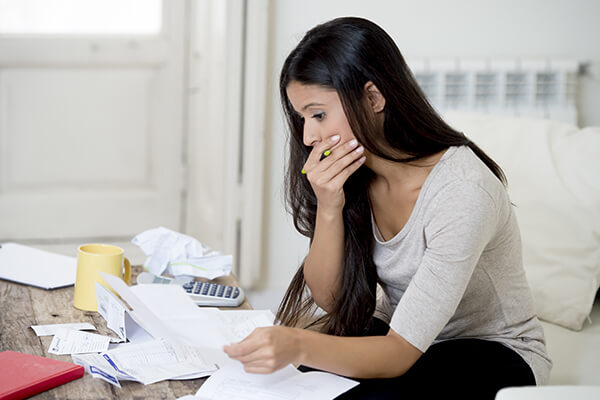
[455, 269]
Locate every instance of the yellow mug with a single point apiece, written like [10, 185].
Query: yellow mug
[91, 260]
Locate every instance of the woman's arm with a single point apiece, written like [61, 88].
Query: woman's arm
[324, 262]
[269, 349]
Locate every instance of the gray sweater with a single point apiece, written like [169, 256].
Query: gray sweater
[455, 269]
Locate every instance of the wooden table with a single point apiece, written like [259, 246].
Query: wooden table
[22, 306]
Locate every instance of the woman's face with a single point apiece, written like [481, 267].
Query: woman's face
[322, 112]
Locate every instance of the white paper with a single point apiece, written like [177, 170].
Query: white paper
[239, 316]
[51, 329]
[142, 314]
[188, 340]
[134, 330]
[232, 382]
[98, 367]
[209, 267]
[111, 309]
[159, 360]
[178, 254]
[167, 311]
[236, 332]
[73, 342]
[167, 301]
[36, 267]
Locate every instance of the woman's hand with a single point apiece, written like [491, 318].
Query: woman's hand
[328, 175]
[266, 350]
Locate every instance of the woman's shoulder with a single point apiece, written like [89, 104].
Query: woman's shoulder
[462, 177]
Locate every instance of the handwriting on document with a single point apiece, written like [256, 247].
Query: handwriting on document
[68, 341]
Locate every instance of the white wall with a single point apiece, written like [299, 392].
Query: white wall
[427, 28]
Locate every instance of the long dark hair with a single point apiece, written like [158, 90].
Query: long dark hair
[344, 54]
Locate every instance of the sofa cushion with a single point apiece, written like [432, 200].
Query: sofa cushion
[552, 170]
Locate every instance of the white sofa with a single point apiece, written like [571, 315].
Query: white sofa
[553, 172]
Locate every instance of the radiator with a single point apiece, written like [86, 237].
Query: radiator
[542, 88]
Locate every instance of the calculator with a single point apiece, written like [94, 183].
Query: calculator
[202, 293]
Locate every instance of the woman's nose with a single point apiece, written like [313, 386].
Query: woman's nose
[310, 136]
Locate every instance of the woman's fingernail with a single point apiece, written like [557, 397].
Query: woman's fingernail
[353, 143]
[335, 138]
[360, 149]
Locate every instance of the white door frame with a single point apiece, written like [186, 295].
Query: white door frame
[226, 129]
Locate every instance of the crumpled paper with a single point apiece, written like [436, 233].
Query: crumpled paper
[178, 254]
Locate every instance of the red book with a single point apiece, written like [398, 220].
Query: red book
[23, 375]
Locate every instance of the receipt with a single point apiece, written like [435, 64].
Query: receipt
[68, 341]
[111, 309]
[51, 329]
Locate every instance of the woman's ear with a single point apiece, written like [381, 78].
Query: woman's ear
[376, 99]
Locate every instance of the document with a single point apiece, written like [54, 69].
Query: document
[98, 367]
[141, 314]
[237, 330]
[148, 362]
[187, 341]
[36, 267]
[51, 329]
[111, 309]
[233, 383]
[68, 341]
[166, 311]
[239, 316]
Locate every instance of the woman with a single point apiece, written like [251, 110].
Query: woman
[390, 194]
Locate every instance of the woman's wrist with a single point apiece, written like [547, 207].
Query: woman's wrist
[328, 215]
[301, 346]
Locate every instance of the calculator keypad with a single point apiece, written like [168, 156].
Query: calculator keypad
[211, 289]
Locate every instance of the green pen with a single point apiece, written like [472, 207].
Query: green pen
[326, 153]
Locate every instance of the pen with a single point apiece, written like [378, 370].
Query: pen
[325, 154]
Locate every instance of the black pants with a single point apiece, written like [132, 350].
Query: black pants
[455, 369]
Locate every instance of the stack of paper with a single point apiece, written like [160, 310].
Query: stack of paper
[36, 267]
[171, 338]
[148, 362]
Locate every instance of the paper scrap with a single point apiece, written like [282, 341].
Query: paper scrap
[232, 382]
[97, 373]
[178, 254]
[111, 309]
[68, 341]
[51, 329]
[98, 367]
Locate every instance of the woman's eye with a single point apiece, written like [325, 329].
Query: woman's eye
[319, 116]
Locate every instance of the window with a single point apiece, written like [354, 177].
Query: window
[81, 17]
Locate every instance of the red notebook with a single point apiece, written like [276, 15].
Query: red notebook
[23, 375]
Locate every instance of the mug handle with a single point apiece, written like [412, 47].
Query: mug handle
[127, 277]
